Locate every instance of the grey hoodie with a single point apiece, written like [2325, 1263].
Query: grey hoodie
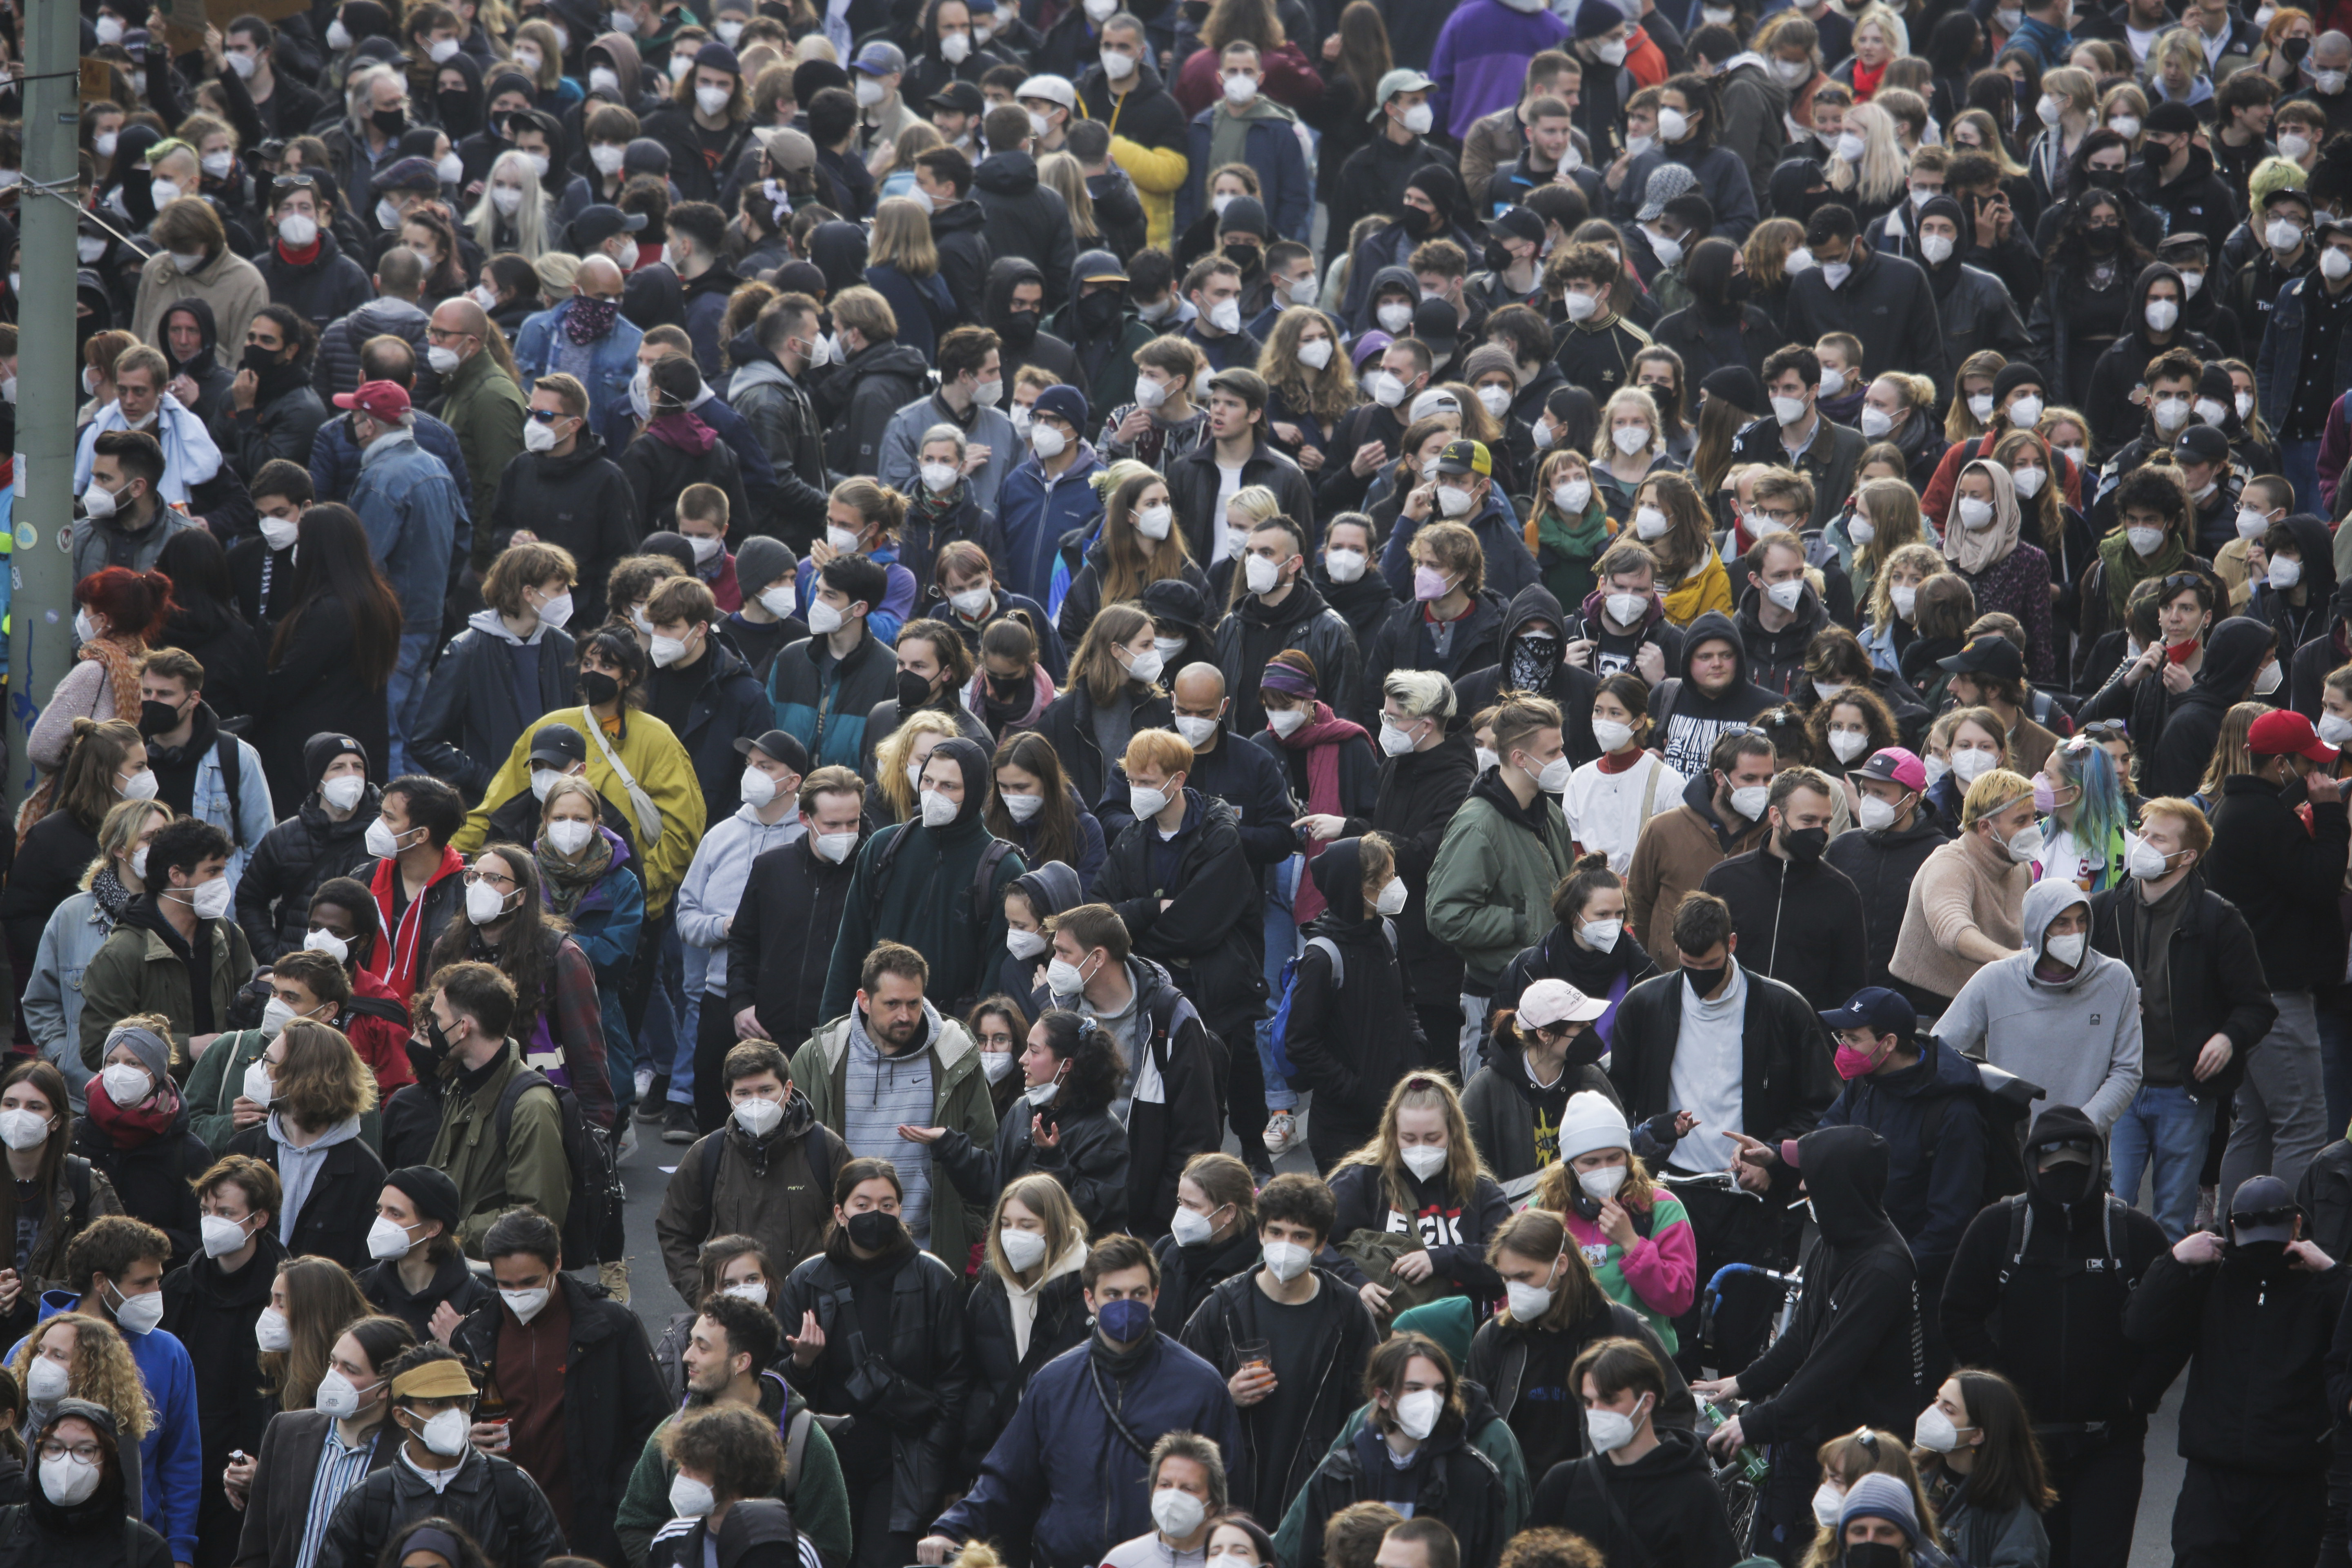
[2078, 1039]
[299, 1168]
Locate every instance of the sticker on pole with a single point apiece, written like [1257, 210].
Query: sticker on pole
[27, 535]
[65, 540]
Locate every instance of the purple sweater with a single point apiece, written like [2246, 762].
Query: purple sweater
[1481, 60]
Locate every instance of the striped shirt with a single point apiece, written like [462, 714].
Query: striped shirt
[339, 1469]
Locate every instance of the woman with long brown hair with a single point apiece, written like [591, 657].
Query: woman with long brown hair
[318, 1090]
[1417, 1180]
[1032, 808]
[557, 1022]
[1982, 1468]
[903, 266]
[312, 1302]
[332, 660]
[1669, 516]
[1309, 385]
[1352, 67]
[52, 1195]
[1116, 687]
[1139, 544]
[104, 765]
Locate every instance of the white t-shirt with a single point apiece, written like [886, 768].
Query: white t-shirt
[1228, 481]
[1709, 1077]
[1605, 810]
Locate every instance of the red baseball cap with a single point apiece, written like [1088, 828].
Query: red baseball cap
[2283, 733]
[379, 399]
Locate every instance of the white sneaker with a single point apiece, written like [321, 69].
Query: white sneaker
[1282, 1134]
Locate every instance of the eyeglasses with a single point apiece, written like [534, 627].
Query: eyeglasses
[495, 878]
[87, 1453]
[2108, 729]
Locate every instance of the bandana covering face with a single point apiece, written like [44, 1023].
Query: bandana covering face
[589, 320]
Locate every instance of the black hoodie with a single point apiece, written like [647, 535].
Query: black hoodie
[1351, 1041]
[1776, 660]
[1256, 631]
[1026, 219]
[2176, 766]
[2122, 364]
[2051, 1321]
[2297, 623]
[1661, 1508]
[1851, 1357]
[1522, 650]
[1026, 341]
[1692, 719]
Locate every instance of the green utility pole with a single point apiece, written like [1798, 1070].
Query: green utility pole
[40, 568]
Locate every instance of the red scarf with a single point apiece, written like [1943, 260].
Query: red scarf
[142, 1124]
[302, 258]
[395, 962]
[1865, 81]
[1321, 738]
[1609, 764]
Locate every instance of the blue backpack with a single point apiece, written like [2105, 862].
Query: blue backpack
[1278, 1028]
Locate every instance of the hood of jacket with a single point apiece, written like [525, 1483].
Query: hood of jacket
[1717, 626]
[2044, 902]
[1051, 888]
[628, 66]
[491, 624]
[838, 249]
[397, 317]
[972, 763]
[958, 217]
[2233, 655]
[891, 358]
[201, 309]
[1339, 874]
[1300, 605]
[1533, 603]
[1845, 1175]
[1006, 274]
[2063, 1184]
[2135, 313]
[1791, 640]
[1006, 175]
[2318, 547]
[1792, 188]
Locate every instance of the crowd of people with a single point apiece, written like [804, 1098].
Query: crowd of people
[1540, 783]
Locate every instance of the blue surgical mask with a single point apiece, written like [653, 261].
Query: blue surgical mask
[1125, 1320]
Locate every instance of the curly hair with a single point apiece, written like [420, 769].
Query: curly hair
[100, 1370]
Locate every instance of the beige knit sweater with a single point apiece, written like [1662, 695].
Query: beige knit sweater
[1966, 883]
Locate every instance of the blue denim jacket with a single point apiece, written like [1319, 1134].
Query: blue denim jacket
[408, 504]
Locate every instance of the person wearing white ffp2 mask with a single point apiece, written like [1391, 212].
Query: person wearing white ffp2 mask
[432, 1407]
[1778, 582]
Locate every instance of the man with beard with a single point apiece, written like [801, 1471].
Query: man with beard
[728, 1359]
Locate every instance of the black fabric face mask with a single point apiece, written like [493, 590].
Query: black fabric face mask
[913, 690]
[155, 718]
[875, 1230]
[1706, 981]
[598, 687]
[1805, 845]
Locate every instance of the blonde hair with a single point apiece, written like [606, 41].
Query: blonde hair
[101, 1371]
[1884, 170]
[321, 1301]
[1891, 507]
[902, 238]
[1637, 399]
[1048, 1199]
[1920, 557]
[1062, 172]
[1996, 789]
[890, 757]
[1422, 1091]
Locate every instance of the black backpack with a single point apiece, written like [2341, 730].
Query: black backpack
[2006, 1102]
[596, 1190]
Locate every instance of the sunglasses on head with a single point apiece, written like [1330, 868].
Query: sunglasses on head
[2106, 730]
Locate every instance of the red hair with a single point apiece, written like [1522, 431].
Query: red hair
[134, 604]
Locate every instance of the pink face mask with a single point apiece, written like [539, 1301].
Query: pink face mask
[1428, 583]
[2045, 799]
[1851, 1063]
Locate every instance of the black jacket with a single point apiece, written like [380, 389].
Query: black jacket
[327, 287]
[1256, 631]
[857, 398]
[779, 945]
[612, 1400]
[756, 1532]
[43, 874]
[727, 705]
[1450, 1479]
[1881, 865]
[921, 1405]
[693, 179]
[1212, 938]
[340, 1206]
[1574, 689]
[1852, 1353]
[999, 1375]
[1192, 489]
[315, 686]
[1936, 1149]
[466, 1291]
[213, 1315]
[1188, 1274]
[1251, 780]
[473, 714]
[2285, 881]
[1788, 1078]
[1419, 793]
[1350, 1042]
[2258, 1332]
[2051, 1316]
[1403, 642]
[1068, 722]
[489, 1499]
[1498, 1364]
[1799, 922]
[1886, 302]
[960, 232]
[582, 501]
[1089, 1158]
[2218, 984]
[1028, 219]
[659, 473]
[153, 1180]
[1664, 1507]
[1344, 1337]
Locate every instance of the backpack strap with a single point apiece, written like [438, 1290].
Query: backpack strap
[797, 1436]
[710, 1173]
[77, 1178]
[1650, 789]
[1331, 949]
[878, 884]
[2020, 1231]
[511, 1096]
[982, 875]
